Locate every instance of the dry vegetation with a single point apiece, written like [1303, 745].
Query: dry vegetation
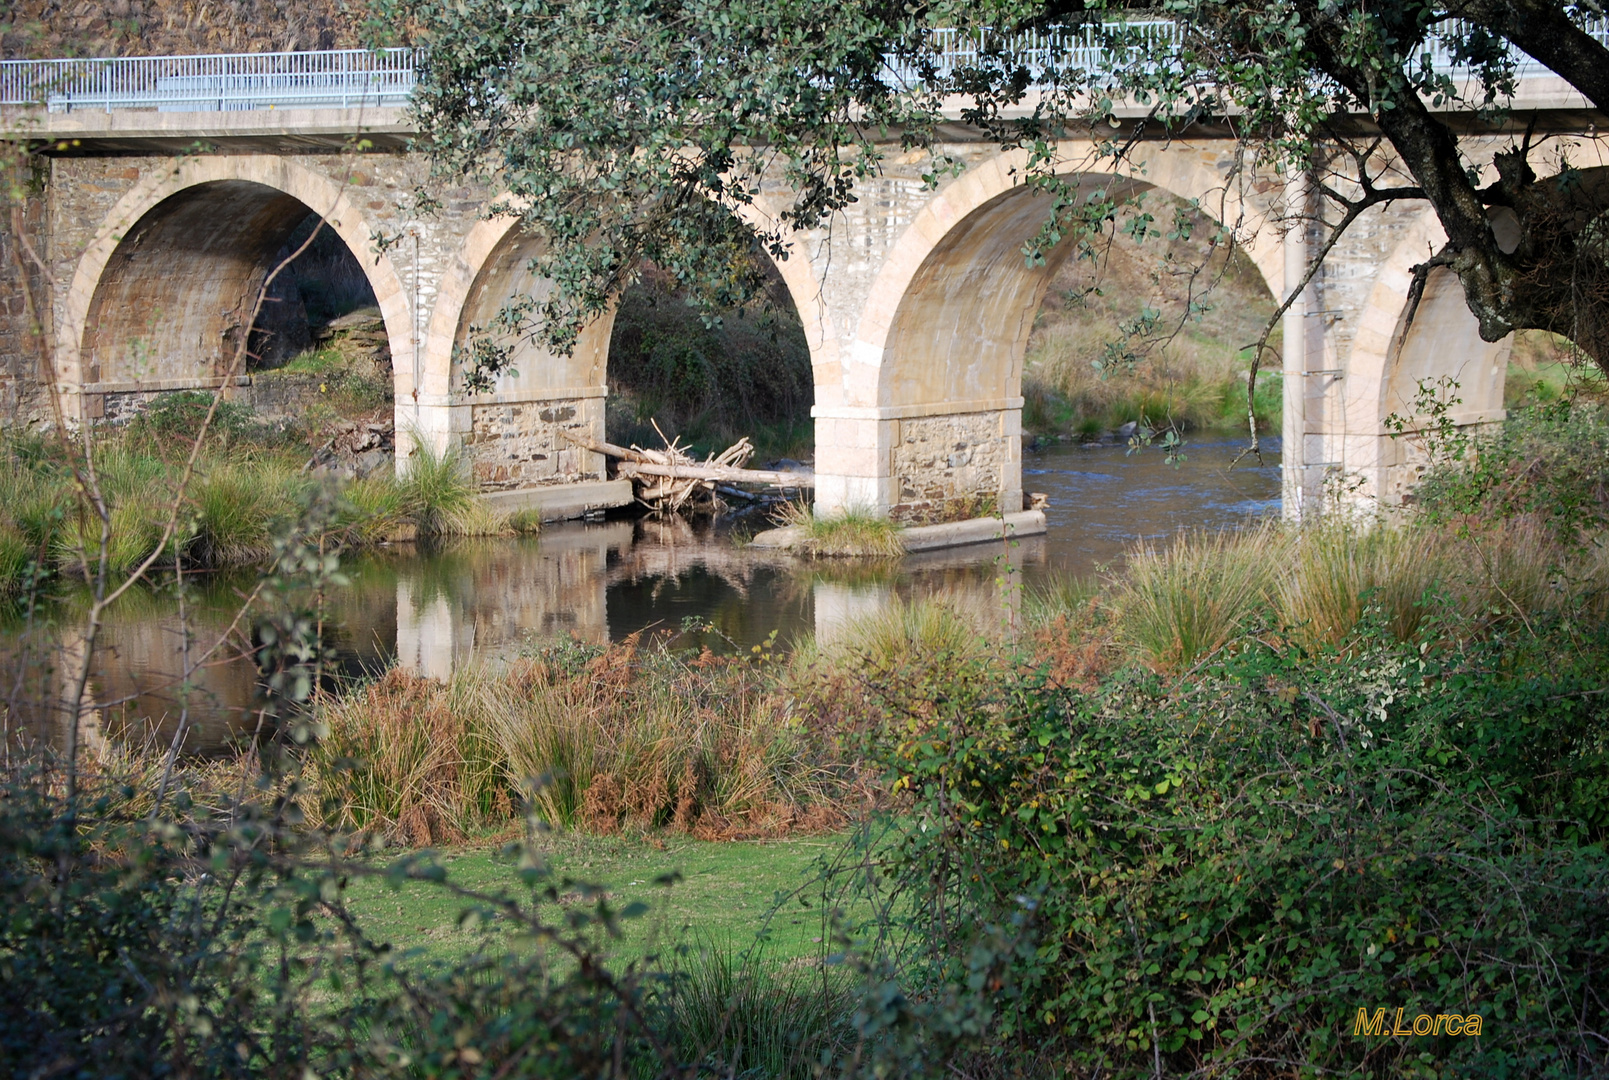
[623, 738]
[48, 28]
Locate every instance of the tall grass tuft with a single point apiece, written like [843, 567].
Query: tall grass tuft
[1517, 568]
[1180, 604]
[438, 494]
[631, 738]
[1337, 572]
[599, 740]
[851, 533]
[237, 507]
[1063, 596]
[905, 634]
[744, 1016]
[374, 509]
[409, 758]
[16, 554]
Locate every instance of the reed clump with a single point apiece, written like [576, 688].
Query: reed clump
[847, 683]
[438, 495]
[244, 491]
[1187, 601]
[850, 533]
[758, 1018]
[1321, 585]
[626, 737]
[409, 759]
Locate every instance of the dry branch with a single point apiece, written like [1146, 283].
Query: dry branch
[669, 479]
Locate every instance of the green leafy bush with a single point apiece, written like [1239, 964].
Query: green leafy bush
[1550, 461]
[1214, 875]
[179, 415]
[218, 944]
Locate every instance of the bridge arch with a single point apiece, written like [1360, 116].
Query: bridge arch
[510, 432]
[933, 380]
[1389, 357]
[174, 269]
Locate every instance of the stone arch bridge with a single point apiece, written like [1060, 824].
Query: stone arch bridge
[917, 303]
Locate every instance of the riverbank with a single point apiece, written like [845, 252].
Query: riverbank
[1226, 793]
[647, 735]
[251, 482]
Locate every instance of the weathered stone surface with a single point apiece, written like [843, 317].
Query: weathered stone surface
[917, 306]
[957, 465]
[519, 445]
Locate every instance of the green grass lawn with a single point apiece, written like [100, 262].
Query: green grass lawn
[728, 894]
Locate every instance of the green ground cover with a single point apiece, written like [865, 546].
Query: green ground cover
[1181, 823]
[728, 894]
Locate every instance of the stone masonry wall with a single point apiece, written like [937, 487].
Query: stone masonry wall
[519, 445]
[22, 397]
[948, 466]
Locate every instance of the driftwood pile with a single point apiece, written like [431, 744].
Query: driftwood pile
[673, 480]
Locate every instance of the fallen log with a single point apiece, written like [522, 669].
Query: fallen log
[671, 479]
[720, 473]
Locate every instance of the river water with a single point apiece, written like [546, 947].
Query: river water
[480, 600]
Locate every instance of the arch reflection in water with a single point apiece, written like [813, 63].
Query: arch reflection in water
[485, 600]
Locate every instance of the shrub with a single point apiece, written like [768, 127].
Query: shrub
[177, 417]
[742, 372]
[1214, 875]
[1550, 462]
[220, 944]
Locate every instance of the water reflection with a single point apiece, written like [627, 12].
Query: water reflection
[435, 611]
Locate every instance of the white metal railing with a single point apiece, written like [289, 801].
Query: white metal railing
[337, 78]
[347, 78]
[1441, 57]
[1084, 48]
[1040, 51]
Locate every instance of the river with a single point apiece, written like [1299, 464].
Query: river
[479, 600]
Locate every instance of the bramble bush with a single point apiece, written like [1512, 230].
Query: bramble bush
[1547, 461]
[1211, 875]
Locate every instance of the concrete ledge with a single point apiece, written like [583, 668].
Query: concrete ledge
[930, 537]
[974, 531]
[777, 539]
[152, 124]
[157, 386]
[564, 501]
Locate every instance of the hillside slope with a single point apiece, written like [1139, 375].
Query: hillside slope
[49, 28]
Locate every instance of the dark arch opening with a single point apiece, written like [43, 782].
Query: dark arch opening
[323, 296]
[177, 295]
[746, 372]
